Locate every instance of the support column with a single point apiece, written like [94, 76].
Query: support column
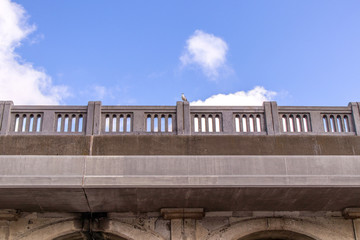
[4, 230]
[183, 229]
[6, 216]
[183, 222]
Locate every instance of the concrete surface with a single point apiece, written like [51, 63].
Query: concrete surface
[214, 226]
[179, 145]
[148, 183]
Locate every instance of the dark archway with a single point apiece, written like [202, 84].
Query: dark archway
[276, 235]
[89, 236]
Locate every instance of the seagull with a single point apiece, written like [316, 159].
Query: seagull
[183, 97]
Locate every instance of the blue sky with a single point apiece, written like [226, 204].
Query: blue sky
[149, 52]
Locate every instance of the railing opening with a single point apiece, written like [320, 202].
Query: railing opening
[346, 124]
[258, 123]
[170, 125]
[237, 123]
[121, 123]
[305, 123]
[332, 123]
[251, 123]
[284, 123]
[291, 123]
[17, 119]
[31, 125]
[80, 129]
[196, 123]
[203, 123]
[244, 123]
[298, 124]
[128, 123]
[162, 123]
[73, 123]
[217, 123]
[156, 124]
[338, 122]
[148, 123]
[66, 124]
[58, 129]
[114, 124]
[23, 129]
[325, 124]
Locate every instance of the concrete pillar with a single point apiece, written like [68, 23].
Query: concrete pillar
[93, 120]
[275, 117]
[6, 216]
[356, 225]
[268, 118]
[183, 229]
[4, 230]
[356, 116]
[183, 126]
[5, 116]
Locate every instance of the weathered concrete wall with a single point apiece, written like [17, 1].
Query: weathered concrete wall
[179, 145]
[152, 226]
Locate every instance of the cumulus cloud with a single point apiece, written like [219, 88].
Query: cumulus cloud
[207, 52]
[254, 97]
[20, 81]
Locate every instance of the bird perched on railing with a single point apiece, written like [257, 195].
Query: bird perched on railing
[183, 97]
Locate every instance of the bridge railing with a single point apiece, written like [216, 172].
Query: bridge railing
[181, 119]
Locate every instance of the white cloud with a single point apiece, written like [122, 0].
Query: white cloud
[19, 80]
[207, 52]
[254, 97]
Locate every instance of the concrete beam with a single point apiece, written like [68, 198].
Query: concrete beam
[149, 183]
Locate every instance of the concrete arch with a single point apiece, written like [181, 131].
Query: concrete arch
[299, 229]
[67, 228]
[276, 234]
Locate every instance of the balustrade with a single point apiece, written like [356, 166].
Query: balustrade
[266, 119]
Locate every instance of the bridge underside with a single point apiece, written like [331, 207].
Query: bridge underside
[149, 183]
[153, 199]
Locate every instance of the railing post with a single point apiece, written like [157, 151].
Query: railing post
[93, 120]
[187, 126]
[48, 123]
[315, 122]
[179, 118]
[183, 118]
[139, 121]
[5, 116]
[268, 118]
[228, 122]
[275, 117]
[356, 116]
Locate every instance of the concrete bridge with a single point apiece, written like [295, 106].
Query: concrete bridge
[179, 172]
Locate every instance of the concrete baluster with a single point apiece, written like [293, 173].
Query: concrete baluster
[356, 116]
[5, 116]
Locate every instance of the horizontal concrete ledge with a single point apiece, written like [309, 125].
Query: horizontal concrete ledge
[178, 171]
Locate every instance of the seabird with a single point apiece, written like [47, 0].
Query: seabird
[183, 97]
